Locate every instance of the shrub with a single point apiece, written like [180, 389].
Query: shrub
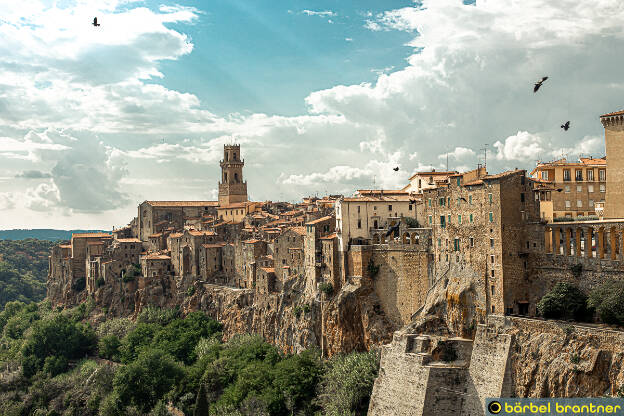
[608, 301]
[326, 288]
[79, 284]
[146, 381]
[108, 347]
[54, 365]
[347, 383]
[297, 311]
[306, 308]
[372, 268]
[411, 222]
[190, 291]
[59, 337]
[575, 358]
[564, 301]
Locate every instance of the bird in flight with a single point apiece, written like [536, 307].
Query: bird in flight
[566, 126]
[95, 23]
[392, 229]
[539, 83]
[396, 169]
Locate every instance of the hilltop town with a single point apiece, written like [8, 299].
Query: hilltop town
[453, 261]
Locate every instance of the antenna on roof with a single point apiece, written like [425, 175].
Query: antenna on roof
[484, 148]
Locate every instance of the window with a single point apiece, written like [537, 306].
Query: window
[490, 198]
[591, 203]
[439, 243]
[430, 220]
[358, 209]
[491, 242]
[545, 175]
[590, 188]
[429, 202]
[471, 242]
[419, 183]
[522, 197]
[590, 174]
[456, 244]
[458, 181]
[492, 290]
[566, 174]
[578, 175]
[442, 221]
[471, 218]
[579, 188]
[492, 272]
[359, 223]
[459, 219]
[579, 203]
[603, 188]
[568, 204]
[493, 309]
[389, 207]
[410, 207]
[492, 259]
[448, 200]
[441, 202]
[449, 218]
[567, 189]
[602, 175]
[470, 199]
[374, 207]
[491, 217]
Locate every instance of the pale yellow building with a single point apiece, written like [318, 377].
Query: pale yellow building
[236, 212]
[356, 216]
[614, 142]
[575, 187]
[427, 180]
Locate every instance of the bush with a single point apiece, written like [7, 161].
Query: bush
[564, 301]
[55, 365]
[108, 347]
[608, 301]
[411, 222]
[326, 288]
[297, 311]
[347, 383]
[57, 337]
[146, 381]
[190, 291]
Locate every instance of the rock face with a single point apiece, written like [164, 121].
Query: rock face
[349, 320]
[509, 357]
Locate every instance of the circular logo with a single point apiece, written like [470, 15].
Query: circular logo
[495, 408]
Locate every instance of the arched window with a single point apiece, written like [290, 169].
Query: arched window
[227, 156]
[234, 157]
[236, 177]
[224, 177]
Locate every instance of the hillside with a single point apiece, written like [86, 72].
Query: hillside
[40, 234]
[23, 270]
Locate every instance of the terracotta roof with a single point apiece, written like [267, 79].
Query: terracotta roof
[155, 235]
[268, 269]
[433, 173]
[176, 235]
[381, 191]
[235, 205]
[128, 240]
[251, 241]
[295, 248]
[405, 197]
[616, 113]
[593, 161]
[65, 246]
[322, 219]
[214, 245]
[475, 182]
[183, 203]
[92, 235]
[157, 256]
[298, 230]
[329, 237]
[503, 174]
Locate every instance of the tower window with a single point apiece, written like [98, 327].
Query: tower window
[236, 177]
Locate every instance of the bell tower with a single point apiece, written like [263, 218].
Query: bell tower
[614, 145]
[232, 188]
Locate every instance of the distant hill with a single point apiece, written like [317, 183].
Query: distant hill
[42, 234]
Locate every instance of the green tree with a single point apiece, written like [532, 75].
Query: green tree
[564, 301]
[347, 383]
[108, 347]
[201, 403]
[608, 301]
[145, 381]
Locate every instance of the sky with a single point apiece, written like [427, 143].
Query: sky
[323, 96]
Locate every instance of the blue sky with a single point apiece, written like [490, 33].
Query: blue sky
[323, 96]
[266, 56]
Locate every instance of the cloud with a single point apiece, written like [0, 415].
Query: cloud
[33, 174]
[7, 200]
[323, 13]
[521, 146]
[460, 153]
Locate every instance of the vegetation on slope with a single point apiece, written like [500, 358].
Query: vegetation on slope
[23, 270]
[53, 363]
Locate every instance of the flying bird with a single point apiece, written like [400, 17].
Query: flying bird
[396, 169]
[566, 126]
[539, 83]
[95, 23]
[392, 229]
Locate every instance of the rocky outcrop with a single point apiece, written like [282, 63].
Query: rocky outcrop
[351, 319]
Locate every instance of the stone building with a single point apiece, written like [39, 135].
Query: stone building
[577, 186]
[288, 253]
[211, 263]
[232, 187]
[313, 249]
[156, 216]
[614, 143]
[427, 180]
[486, 226]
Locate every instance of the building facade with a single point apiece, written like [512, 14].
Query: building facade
[232, 187]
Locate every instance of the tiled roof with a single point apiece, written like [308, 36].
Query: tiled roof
[298, 230]
[128, 240]
[235, 205]
[322, 219]
[252, 241]
[183, 203]
[268, 269]
[157, 256]
[176, 235]
[616, 113]
[502, 174]
[214, 245]
[156, 235]
[381, 191]
[329, 237]
[91, 235]
[433, 173]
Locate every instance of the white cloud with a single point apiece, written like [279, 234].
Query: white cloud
[321, 13]
[460, 153]
[521, 146]
[349, 39]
